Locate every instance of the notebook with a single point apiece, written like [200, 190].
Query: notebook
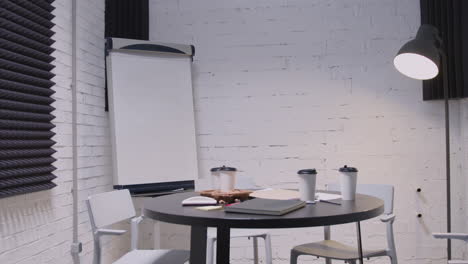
[265, 206]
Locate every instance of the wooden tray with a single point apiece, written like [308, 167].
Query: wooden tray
[227, 197]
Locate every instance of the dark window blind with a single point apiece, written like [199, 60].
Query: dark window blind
[25, 96]
[451, 19]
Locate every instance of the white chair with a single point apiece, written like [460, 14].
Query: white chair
[331, 249]
[111, 207]
[458, 236]
[236, 233]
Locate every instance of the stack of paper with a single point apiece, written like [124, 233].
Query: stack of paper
[277, 194]
[281, 194]
[327, 196]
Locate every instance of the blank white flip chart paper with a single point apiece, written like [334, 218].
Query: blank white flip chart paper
[152, 117]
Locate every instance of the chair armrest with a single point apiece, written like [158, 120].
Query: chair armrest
[137, 220]
[112, 232]
[134, 235]
[388, 218]
[460, 236]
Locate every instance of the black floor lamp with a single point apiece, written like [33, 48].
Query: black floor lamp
[421, 59]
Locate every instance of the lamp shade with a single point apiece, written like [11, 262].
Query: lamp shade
[419, 58]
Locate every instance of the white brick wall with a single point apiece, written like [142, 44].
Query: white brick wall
[37, 228]
[288, 84]
[462, 227]
[279, 85]
[459, 172]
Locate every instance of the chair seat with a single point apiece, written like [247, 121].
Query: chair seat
[155, 257]
[335, 250]
[458, 261]
[240, 232]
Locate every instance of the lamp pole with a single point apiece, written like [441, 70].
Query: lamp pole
[420, 58]
[447, 148]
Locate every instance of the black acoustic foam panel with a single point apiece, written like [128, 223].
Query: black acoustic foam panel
[25, 96]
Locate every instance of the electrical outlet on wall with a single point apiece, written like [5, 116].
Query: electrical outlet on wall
[76, 248]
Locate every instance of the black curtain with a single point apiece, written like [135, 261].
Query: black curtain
[25, 96]
[451, 18]
[126, 19]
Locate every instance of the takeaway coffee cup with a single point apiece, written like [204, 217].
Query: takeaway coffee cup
[215, 184]
[348, 182]
[223, 178]
[307, 179]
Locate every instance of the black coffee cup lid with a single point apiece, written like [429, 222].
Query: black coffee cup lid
[307, 171]
[223, 168]
[348, 169]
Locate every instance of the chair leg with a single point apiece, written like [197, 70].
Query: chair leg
[268, 254]
[351, 261]
[255, 249]
[393, 259]
[294, 257]
[329, 261]
[210, 250]
[97, 251]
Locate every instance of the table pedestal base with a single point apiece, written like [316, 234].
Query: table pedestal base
[223, 245]
[198, 244]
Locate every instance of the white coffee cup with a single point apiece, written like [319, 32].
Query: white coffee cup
[227, 178]
[307, 180]
[348, 182]
[215, 182]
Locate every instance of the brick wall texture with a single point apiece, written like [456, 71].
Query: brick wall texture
[279, 85]
[289, 84]
[37, 228]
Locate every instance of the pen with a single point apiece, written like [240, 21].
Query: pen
[330, 202]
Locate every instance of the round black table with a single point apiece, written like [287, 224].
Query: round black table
[169, 209]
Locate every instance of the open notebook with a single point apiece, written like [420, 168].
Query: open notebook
[282, 194]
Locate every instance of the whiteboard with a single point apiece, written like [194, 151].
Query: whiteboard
[152, 117]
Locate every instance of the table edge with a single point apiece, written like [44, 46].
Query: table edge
[265, 223]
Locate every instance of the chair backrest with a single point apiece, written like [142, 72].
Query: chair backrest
[110, 207]
[382, 191]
